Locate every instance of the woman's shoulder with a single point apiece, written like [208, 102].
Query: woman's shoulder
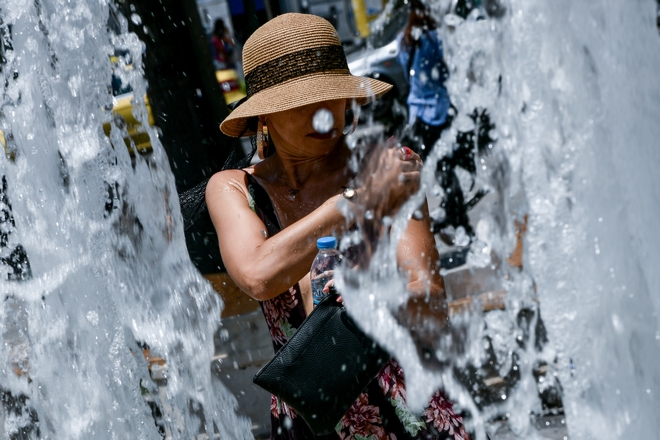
[228, 180]
[225, 175]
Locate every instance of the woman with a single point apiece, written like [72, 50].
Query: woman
[420, 54]
[222, 46]
[269, 215]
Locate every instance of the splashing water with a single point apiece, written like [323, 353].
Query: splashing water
[323, 121]
[588, 138]
[96, 264]
[572, 90]
[101, 270]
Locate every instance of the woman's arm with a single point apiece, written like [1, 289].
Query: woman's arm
[419, 259]
[425, 314]
[417, 254]
[263, 266]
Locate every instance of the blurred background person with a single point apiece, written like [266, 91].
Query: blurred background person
[222, 46]
[420, 54]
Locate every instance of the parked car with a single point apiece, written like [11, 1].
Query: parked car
[377, 58]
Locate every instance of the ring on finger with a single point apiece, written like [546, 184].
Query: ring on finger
[407, 153]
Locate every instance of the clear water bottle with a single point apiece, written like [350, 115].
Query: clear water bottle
[325, 262]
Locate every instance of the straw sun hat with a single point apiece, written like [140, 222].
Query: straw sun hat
[291, 61]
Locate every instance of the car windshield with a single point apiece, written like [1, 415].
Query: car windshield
[389, 31]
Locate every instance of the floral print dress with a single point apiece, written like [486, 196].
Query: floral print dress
[380, 412]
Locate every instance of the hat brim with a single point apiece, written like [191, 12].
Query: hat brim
[302, 91]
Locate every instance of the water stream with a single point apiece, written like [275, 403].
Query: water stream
[572, 92]
[105, 272]
[95, 268]
[583, 162]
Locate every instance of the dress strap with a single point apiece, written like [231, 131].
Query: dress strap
[262, 205]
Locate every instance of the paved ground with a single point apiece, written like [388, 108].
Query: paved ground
[236, 366]
[552, 428]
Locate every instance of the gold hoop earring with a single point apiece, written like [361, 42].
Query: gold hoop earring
[356, 119]
[262, 140]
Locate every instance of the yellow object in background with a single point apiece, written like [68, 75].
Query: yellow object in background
[231, 87]
[122, 112]
[123, 116]
[361, 17]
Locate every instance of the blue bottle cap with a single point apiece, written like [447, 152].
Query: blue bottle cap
[326, 243]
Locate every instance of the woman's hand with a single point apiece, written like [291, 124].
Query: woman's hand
[390, 175]
[330, 288]
[330, 285]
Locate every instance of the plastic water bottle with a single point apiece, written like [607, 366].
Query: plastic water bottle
[324, 263]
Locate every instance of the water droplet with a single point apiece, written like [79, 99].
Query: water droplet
[323, 121]
[136, 19]
[93, 317]
[617, 324]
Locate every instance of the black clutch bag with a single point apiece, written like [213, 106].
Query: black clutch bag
[324, 367]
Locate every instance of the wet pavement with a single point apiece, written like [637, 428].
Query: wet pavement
[235, 367]
[549, 427]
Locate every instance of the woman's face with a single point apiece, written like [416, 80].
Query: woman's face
[293, 130]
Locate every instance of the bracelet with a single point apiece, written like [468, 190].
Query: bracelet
[349, 193]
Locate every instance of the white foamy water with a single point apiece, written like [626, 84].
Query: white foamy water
[576, 114]
[584, 160]
[103, 235]
[573, 91]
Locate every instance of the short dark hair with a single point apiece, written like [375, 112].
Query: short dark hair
[219, 27]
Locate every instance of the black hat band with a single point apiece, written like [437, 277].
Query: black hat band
[294, 65]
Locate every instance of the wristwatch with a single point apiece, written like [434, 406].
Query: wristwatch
[349, 193]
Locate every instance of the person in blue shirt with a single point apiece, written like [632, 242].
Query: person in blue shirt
[420, 54]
